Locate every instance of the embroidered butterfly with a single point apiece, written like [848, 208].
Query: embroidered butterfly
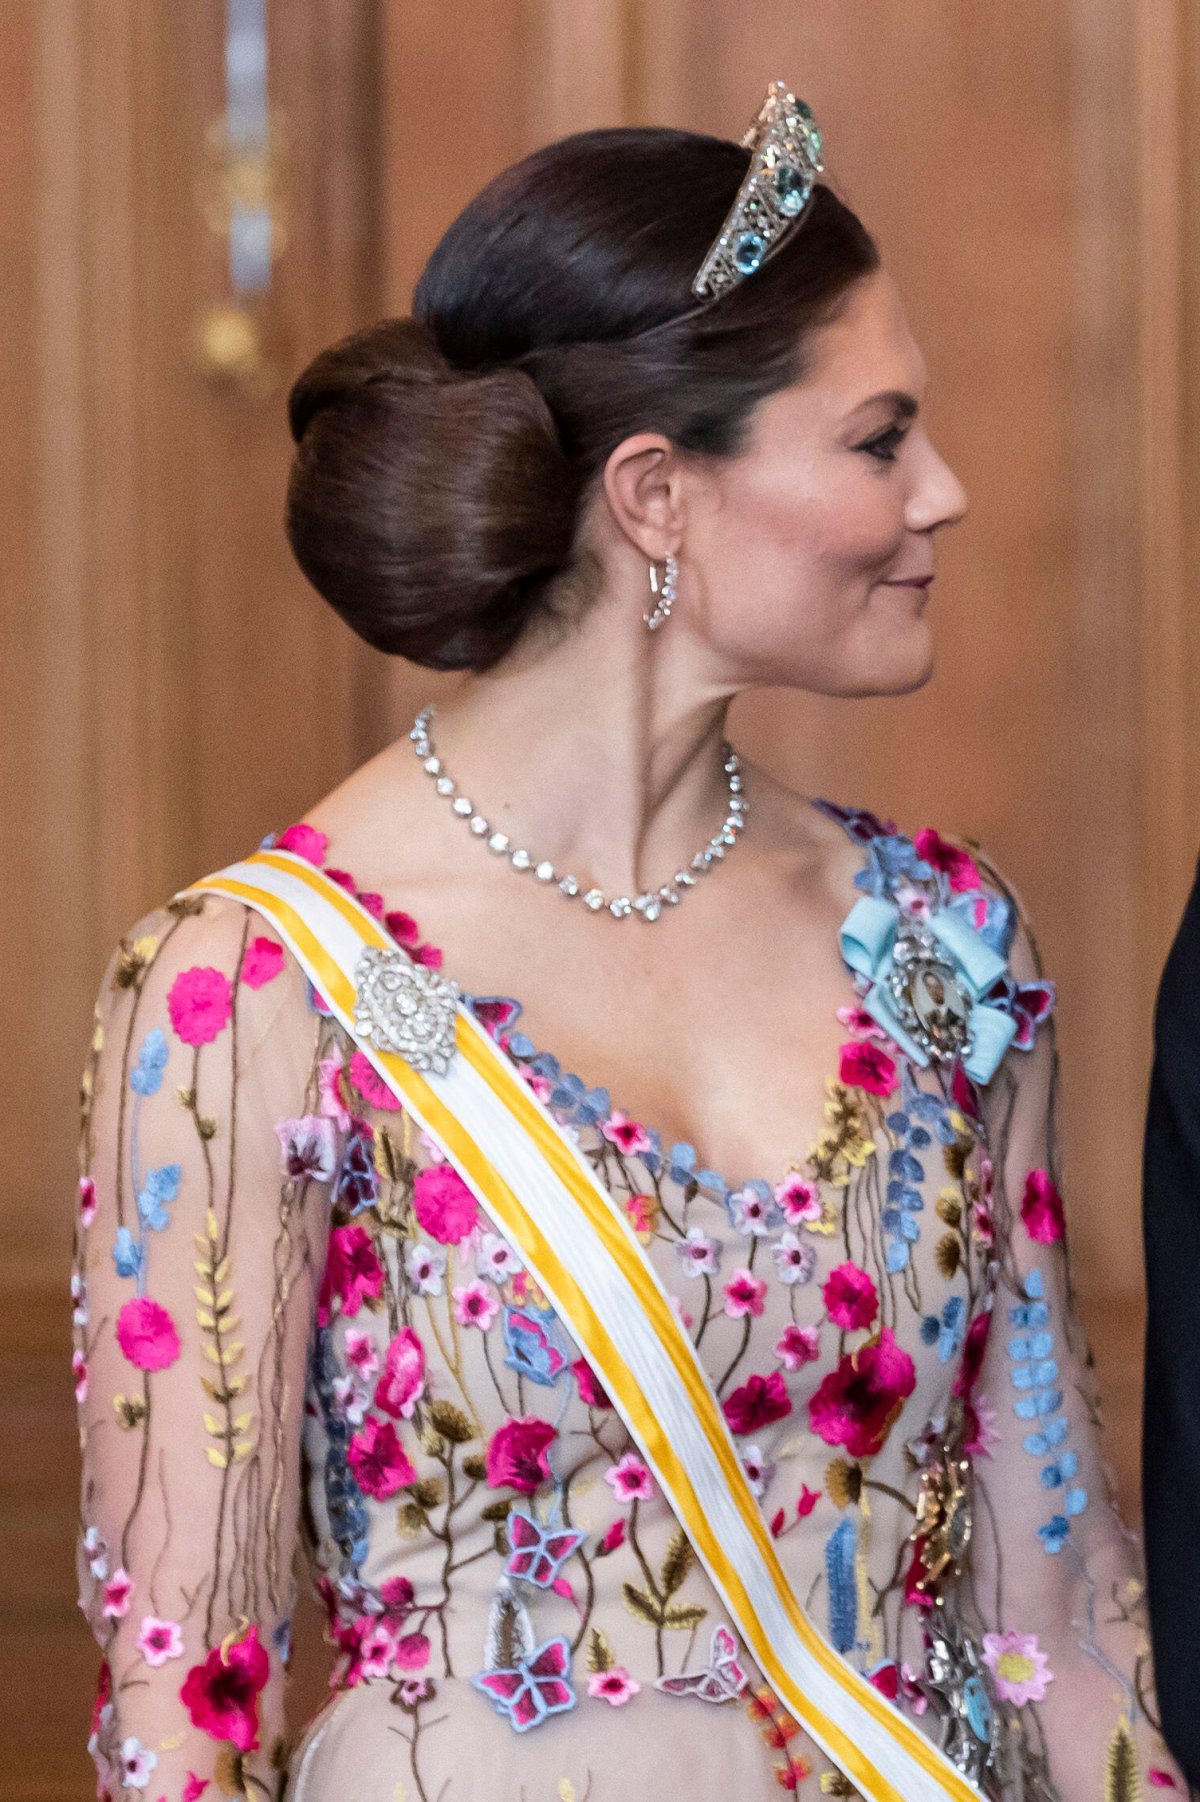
[721, 1680]
[532, 1688]
[538, 1552]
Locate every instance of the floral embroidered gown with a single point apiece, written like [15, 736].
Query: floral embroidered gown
[302, 1353]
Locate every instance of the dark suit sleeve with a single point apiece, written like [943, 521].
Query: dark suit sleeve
[1171, 1436]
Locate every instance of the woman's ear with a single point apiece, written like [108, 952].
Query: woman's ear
[644, 488]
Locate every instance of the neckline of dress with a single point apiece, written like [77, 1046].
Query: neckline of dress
[680, 1164]
[586, 1106]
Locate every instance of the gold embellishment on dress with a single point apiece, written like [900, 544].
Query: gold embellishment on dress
[943, 1528]
[405, 1007]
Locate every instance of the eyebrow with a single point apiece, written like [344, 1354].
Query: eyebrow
[905, 404]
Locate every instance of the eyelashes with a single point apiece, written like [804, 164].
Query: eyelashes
[884, 446]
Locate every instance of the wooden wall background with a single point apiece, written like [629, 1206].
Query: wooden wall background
[169, 689]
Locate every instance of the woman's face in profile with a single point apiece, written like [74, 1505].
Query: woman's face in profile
[806, 557]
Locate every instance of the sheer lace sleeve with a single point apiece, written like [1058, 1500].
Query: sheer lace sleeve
[203, 1214]
[1058, 1577]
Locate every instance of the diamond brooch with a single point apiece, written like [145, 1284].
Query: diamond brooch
[405, 1007]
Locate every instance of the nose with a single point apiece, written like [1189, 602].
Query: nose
[937, 497]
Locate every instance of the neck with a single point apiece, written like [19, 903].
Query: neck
[599, 750]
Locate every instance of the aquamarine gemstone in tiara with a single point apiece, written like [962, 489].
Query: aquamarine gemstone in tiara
[786, 144]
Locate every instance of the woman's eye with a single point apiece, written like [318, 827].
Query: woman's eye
[885, 446]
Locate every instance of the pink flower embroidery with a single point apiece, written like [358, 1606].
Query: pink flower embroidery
[331, 1088]
[412, 1652]
[591, 1389]
[305, 841]
[1042, 1208]
[851, 1298]
[403, 928]
[402, 1384]
[444, 1205]
[361, 1352]
[195, 1787]
[159, 1640]
[372, 902]
[307, 1147]
[974, 1346]
[221, 1695]
[613, 1539]
[758, 1402]
[865, 1065]
[79, 1371]
[146, 1334]
[87, 1201]
[199, 1002]
[352, 1272]
[475, 1304]
[378, 1459]
[630, 1480]
[745, 1294]
[799, 1199]
[118, 1592]
[614, 1685]
[1019, 1666]
[626, 1134]
[371, 1085]
[798, 1345]
[858, 1402]
[954, 862]
[516, 1454]
[262, 963]
[808, 1501]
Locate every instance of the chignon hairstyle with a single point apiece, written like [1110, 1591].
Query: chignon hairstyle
[443, 460]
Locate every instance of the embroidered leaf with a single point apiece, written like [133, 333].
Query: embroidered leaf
[949, 1208]
[206, 1126]
[947, 1255]
[227, 1770]
[497, 1510]
[215, 1300]
[839, 1573]
[677, 1562]
[566, 1790]
[451, 1422]
[410, 1520]
[475, 1467]
[130, 1410]
[639, 1603]
[186, 1096]
[509, 1629]
[683, 1614]
[427, 1493]
[1122, 1783]
[955, 1158]
[599, 1652]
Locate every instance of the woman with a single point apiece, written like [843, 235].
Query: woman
[651, 438]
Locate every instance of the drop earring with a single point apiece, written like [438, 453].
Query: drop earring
[663, 589]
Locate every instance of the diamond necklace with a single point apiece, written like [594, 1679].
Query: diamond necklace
[648, 905]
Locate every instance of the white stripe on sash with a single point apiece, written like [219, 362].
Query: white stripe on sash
[540, 1190]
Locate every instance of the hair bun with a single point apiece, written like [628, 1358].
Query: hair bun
[427, 504]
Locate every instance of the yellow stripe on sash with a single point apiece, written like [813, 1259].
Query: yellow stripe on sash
[568, 1164]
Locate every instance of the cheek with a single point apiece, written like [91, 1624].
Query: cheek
[833, 519]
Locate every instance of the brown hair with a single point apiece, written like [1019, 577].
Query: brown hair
[443, 461]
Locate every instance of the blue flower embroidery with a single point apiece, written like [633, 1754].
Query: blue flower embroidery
[127, 1253]
[161, 1186]
[1034, 1376]
[146, 1076]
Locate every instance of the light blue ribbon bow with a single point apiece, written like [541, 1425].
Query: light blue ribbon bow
[868, 941]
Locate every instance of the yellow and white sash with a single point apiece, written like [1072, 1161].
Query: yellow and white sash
[540, 1190]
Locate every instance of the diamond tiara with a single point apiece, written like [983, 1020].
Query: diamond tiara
[786, 144]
